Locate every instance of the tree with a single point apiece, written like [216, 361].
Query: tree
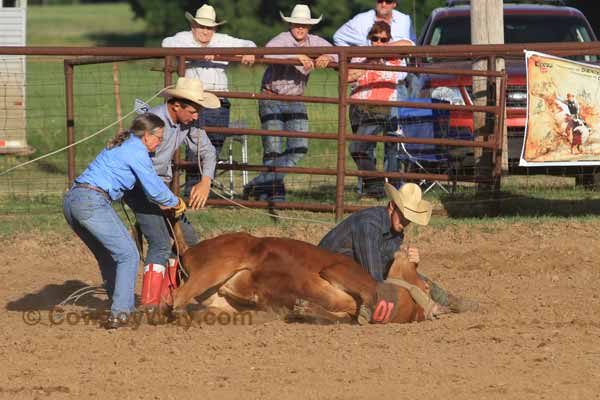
[161, 20]
[259, 20]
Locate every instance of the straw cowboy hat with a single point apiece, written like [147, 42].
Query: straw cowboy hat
[192, 89]
[301, 15]
[409, 201]
[205, 16]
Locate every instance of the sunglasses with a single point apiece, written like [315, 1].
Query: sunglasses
[386, 1]
[375, 39]
[160, 138]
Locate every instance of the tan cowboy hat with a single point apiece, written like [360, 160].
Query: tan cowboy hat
[301, 15]
[205, 16]
[192, 89]
[409, 200]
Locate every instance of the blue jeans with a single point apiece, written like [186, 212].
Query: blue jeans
[218, 117]
[281, 116]
[371, 123]
[151, 222]
[94, 220]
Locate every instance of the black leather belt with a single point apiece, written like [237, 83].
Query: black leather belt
[91, 187]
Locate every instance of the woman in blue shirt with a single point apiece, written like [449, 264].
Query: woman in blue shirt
[88, 208]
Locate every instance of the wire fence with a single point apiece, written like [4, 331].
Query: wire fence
[423, 130]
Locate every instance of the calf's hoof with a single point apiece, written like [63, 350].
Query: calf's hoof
[157, 315]
[437, 311]
[364, 315]
[300, 307]
[179, 316]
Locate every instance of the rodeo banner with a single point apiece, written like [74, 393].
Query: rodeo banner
[563, 118]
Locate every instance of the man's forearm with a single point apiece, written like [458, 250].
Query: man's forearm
[206, 179]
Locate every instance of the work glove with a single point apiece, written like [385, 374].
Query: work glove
[180, 208]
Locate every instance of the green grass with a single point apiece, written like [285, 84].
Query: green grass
[95, 109]
[43, 214]
[33, 193]
[95, 99]
[109, 24]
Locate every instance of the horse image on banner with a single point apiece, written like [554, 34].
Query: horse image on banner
[563, 112]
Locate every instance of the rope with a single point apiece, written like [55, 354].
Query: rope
[178, 254]
[133, 227]
[87, 290]
[79, 293]
[271, 214]
[81, 140]
[417, 294]
[93, 290]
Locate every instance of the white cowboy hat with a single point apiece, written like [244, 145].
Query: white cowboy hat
[409, 200]
[192, 89]
[205, 16]
[301, 15]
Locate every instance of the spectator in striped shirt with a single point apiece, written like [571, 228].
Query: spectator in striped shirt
[286, 115]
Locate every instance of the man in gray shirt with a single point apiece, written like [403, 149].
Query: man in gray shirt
[180, 114]
[286, 115]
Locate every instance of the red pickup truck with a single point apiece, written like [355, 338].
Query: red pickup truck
[523, 23]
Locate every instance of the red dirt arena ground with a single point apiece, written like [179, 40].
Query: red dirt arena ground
[537, 335]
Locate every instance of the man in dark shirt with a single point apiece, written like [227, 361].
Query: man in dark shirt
[372, 236]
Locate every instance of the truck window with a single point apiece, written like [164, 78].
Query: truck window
[517, 29]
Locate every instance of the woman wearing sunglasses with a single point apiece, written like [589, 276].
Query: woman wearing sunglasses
[374, 119]
[355, 32]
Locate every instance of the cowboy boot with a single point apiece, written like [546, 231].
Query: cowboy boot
[454, 303]
[116, 322]
[152, 282]
[278, 193]
[170, 282]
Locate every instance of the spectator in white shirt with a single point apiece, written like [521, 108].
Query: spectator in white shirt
[203, 33]
[355, 32]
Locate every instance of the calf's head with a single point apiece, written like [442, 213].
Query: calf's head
[403, 269]
[419, 305]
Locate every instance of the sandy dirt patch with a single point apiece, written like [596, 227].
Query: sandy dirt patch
[536, 336]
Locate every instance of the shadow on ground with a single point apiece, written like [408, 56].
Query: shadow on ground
[52, 295]
[513, 205]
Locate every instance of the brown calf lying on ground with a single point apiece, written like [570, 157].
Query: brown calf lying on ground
[307, 281]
